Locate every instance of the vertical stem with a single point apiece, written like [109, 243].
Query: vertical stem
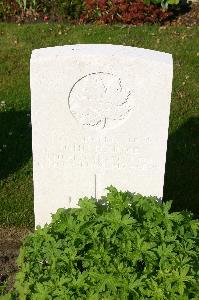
[95, 186]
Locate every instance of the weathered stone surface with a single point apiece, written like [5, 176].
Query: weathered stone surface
[100, 116]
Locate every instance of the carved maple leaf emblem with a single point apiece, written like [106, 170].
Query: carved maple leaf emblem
[99, 100]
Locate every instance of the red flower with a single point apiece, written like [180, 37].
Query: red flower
[46, 18]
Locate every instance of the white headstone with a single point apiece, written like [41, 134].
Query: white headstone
[100, 116]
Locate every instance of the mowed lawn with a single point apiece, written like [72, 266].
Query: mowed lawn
[16, 44]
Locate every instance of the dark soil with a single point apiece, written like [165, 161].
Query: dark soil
[188, 16]
[10, 242]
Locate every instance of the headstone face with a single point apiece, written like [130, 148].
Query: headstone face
[100, 116]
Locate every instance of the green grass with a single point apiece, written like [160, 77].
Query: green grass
[16, 44]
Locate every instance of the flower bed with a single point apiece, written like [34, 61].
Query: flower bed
[134, 12]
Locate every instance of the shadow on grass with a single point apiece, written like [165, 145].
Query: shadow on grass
[182, 168]
[15, 141]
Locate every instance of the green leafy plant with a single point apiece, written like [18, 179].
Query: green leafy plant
[24, 4]
[123, 246]
[70, 8]
[164, 3]
[3, 283]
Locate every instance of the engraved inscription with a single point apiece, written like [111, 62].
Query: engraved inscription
[100, 153]
[99, 100]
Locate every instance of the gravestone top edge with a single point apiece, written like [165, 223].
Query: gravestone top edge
[101, 50]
